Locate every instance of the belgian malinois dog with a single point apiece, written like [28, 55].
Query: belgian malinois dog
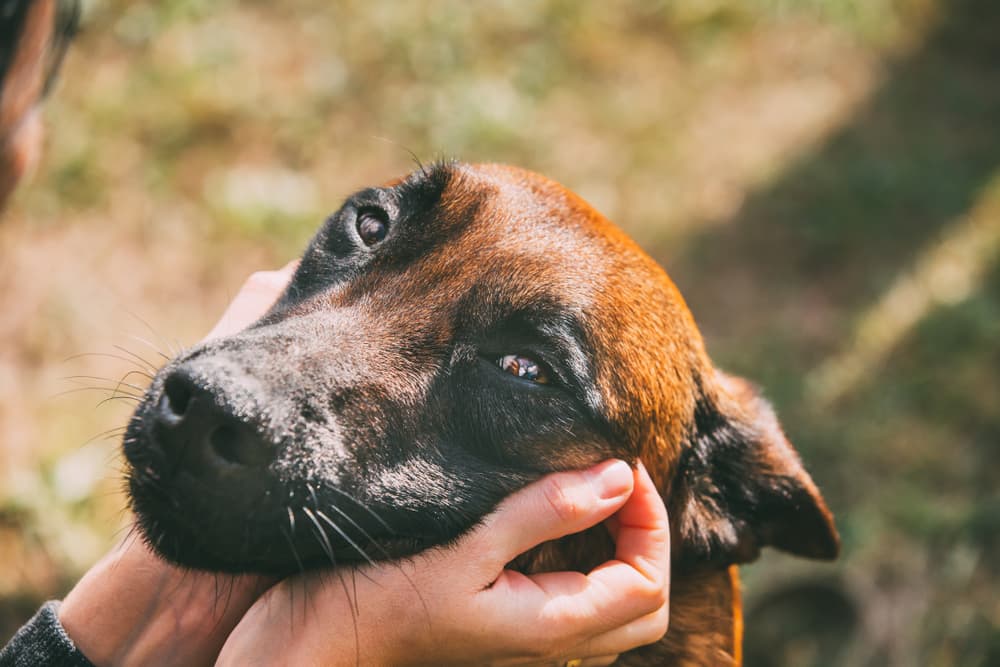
[447, 339]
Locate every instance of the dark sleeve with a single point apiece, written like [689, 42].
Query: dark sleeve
[42, 641]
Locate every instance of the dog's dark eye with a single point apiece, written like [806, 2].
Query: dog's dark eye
[373, 225]
[523, 367]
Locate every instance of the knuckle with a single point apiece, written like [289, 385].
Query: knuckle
[648, 595]
[561, 499]
[660, 596]
[654, 591]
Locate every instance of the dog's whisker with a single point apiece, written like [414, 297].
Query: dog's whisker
[117, 383]
[382, 549]
[312, 493]
[150, 345]
[364, 533]
[364, 507]
[177, 347]
[104, 435]
[231, 581]
[215, 593]
[139, 371]
[321, 536]
[354, 585]
[340, 531]
[155, 333]
[354, 616]
[108, 355]
[137, 357]
[106, 390]
[132, 399]
[295, 552]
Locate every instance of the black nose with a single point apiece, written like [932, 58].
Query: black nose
[199, 432]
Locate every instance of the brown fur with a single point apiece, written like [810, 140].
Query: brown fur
[662, 352]
[395, 395]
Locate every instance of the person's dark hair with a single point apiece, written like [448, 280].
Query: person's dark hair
[13, 14]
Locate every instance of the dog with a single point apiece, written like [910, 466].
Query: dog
[447, 339]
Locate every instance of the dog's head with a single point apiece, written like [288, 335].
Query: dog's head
[446, 340]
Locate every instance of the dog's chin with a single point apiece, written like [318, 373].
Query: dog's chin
[185, 551]
[239, 545]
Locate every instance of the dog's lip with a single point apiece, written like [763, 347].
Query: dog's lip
[167, 516]
[283, 559]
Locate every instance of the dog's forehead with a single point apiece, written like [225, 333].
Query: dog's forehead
[533, 234]
[534, 211]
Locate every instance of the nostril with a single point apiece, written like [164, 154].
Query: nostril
[177, 395]
[238, 445]
[225, 441]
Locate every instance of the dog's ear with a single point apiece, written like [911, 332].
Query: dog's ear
[740, 485]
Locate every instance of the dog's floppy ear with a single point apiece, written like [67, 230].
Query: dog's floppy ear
[740, 485]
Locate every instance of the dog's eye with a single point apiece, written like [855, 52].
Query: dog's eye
[372, 226]
[523, 367]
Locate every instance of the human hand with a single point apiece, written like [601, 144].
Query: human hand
[459, 605]
[256, 296]
[133, 608]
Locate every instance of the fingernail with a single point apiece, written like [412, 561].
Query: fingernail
[611, 479]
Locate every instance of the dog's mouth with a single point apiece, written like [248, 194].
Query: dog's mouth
[192, 527]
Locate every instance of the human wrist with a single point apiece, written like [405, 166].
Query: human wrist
[133, 608]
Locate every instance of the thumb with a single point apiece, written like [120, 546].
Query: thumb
[556, 505]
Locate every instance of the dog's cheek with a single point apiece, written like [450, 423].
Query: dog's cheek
[509, 426]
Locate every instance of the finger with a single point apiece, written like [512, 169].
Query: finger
[640, 572]
[640, 632]
[557, 505]
[643, 532]
[615, 593]
[256, 296]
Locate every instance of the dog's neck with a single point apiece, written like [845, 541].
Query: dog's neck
[705, 612]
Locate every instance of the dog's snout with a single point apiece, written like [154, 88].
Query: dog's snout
[177, 390]
[198, 431]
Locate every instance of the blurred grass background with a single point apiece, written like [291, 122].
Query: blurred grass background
[820, 177]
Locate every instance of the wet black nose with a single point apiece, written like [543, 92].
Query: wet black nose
[199, 432]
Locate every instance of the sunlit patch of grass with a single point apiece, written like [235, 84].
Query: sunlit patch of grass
[944, 274]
